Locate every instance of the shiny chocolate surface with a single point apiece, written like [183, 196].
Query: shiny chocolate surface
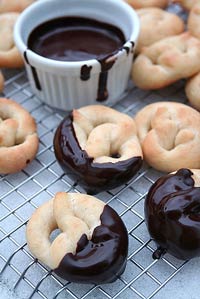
[74, 38]
[101, 259]
[172, 213]
[93, 177]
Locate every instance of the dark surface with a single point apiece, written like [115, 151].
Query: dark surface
[75, 39]
[101, 259]
[93, 177]
[172, 213]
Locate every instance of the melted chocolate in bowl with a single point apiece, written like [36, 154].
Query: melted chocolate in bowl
[172, 213]
[101, 259]
[79, 39]
[75, 39]
[93, 177]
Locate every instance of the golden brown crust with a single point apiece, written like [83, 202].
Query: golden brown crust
[75, 214]
[170, 136]
[103, 132]
[14, 5]
[147, 3]
[192, 90]
[1, 81]
[194, 20]
[165, 61]
[9, 55]
[18, 137]
[186, 4]
[156, 24]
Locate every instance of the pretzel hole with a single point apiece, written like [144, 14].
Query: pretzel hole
[115, 155]
[54, 234]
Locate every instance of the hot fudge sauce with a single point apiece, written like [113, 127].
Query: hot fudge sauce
[80, 39]
[75, 39]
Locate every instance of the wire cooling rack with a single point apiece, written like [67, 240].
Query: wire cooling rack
[22, 193]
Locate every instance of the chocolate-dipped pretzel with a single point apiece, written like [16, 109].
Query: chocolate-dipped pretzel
[93, 244]
[98, 147]
[172, 213]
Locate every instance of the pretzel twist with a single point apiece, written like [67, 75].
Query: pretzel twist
[193, 23]
[18, 137]
[1, 81]
[93, 242]
[192, 90]
[9, 54]
[104, 132]
[147, 3]
[170, 136]
[74, 214]
[165, 61]
[14, 5]
[156, 24]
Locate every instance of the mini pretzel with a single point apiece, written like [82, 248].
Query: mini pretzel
[14, 5]
[147, 3]
[172, 214]
[192, 90]
[100, 146]
[18, 137]
[170, 136]
[9, 55]
[186, 4]
[165, 61]
[93, 242]
[104, 132]
[156, 24]
[194, 20]
[1, 81]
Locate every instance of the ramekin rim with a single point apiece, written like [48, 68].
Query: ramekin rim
[72, 64]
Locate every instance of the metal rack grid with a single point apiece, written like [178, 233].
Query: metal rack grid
[21, 193]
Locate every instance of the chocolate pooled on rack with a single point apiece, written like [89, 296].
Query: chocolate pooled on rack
[98, 148]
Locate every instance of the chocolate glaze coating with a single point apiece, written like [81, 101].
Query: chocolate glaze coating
[172, 213]
[93, 177]
[101, 259]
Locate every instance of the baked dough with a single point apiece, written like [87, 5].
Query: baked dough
[186, 4]
[104, 132]
[98, 148]
[92, 245]
[9, 54]
[170, 136]
[156, 24]
[147, 3]
[194, 20]
[14, 5]
[166, 61]
[1, 81]
[18, 137]
[192, 90]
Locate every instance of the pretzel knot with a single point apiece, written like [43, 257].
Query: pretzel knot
[93, 241]
[99, 146]
[106, 134]
[9, 55]
[164, 62]
[170, 136]
[18, 137]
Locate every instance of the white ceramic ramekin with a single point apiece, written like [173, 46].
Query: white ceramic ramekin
[58, 83]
